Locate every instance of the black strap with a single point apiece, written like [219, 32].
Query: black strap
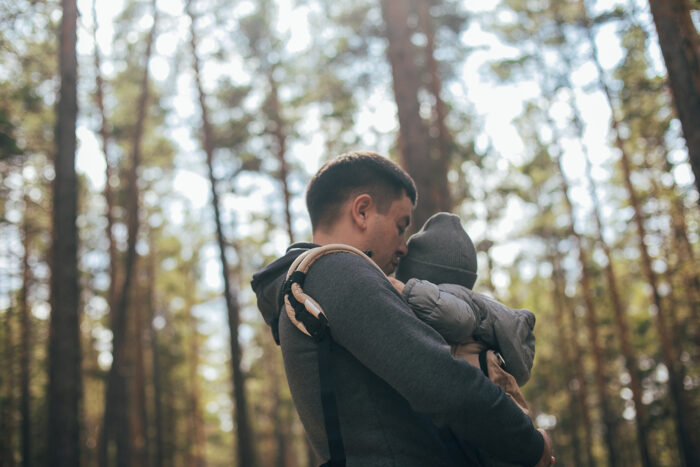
[318, 328]
[482, 362]
[328, 403]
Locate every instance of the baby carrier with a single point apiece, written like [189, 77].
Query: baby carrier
[308, 316]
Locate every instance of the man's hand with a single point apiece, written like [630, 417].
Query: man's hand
[547, 457]
[398, 285]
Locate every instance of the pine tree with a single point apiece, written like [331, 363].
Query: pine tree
[245, 452]
[414, 142]
[64, 341]
[680, 46]
[684, 413]
[116, 414]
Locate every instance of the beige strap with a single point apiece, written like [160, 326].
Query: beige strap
[303, 263]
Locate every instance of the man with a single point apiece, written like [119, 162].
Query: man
[391, 373]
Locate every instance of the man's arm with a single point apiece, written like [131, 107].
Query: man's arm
[460, 314]
[369, 318]
[455, 319]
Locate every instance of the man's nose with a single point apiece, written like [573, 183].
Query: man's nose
[403, 249]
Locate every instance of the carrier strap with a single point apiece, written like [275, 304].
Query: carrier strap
[483, 363]
[331, 420]
[308, 316]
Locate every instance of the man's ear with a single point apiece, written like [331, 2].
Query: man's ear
[360, 209]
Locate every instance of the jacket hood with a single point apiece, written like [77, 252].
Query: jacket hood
[267, 284]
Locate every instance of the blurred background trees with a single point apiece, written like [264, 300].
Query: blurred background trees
[133, 214]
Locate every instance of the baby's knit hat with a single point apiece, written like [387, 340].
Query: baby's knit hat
[440, 252]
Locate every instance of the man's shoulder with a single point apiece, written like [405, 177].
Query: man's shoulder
[345, 279]
[343, 263]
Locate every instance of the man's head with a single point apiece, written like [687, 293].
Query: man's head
[364, 200]
[440, 252]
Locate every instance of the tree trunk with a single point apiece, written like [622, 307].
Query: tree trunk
[414, 140]
[109, 165]
[7, 409]
[65, 383]
[575, 383]
[245, 447]
[619, 310]
[281, 139]
[680, 46]
[601, 381]
[140, 442]
[684, 412]
[686, 257]
[25, 357]
[196, 424]
[277, 414]
[172, 434]
[485, 246]
[116, 400]
[623, 332]
[283, 454]
[607, 415]
[156, 373]
[441, 153]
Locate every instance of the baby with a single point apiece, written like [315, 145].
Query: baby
[436, 278]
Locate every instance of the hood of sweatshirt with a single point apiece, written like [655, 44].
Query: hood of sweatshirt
[267, 285]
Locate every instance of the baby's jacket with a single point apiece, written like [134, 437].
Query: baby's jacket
[463, 316]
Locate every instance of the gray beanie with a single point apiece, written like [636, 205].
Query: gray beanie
[441, 252]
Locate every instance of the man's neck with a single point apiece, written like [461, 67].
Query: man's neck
[337, 235]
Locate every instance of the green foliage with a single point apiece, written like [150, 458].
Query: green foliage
[8, 143]
[270, 89]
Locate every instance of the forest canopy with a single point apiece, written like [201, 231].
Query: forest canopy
[155, 154]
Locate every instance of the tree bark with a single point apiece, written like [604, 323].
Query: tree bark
[26, 343]
[281, 139]
[155, 352]
[485, 247]
[65, 383]
[116, 400]
[442, 151]
[7, 401]
[623, 332]
[684, 411]
[196, 423]
[601, 381]
[680, 46]
[685, 259]
[277, 414]
[414, 140]
[109, 165]
[686, 256]
[281, 434]
[245, 446]
[567, 342]
[139, 415]
[619, 310]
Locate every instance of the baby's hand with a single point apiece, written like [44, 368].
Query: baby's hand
[398, 285]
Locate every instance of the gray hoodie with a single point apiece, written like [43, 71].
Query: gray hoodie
[390, 371]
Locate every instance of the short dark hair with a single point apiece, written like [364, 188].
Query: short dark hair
[352, 174]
